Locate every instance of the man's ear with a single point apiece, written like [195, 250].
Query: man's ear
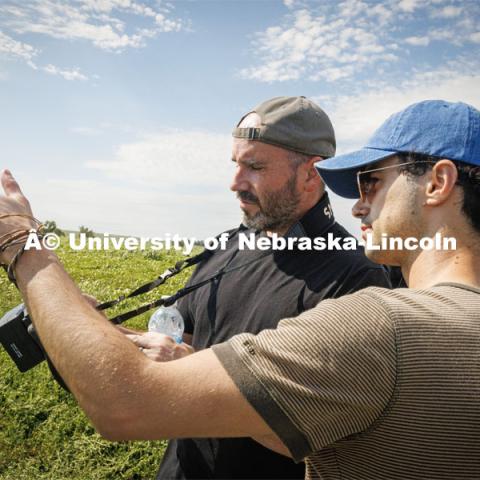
[443, 178]
[313, 180]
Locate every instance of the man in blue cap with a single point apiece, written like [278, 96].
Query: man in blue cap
[411, 143]
[379, 384]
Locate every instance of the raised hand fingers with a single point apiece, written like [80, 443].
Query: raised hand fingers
[10, 185]
[13, 193]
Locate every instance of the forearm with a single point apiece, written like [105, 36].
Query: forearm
[126, 395]
[82, 344]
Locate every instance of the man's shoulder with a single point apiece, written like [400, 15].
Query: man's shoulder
[363, 302]
[434, 300]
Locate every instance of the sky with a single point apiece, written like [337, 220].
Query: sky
[117, 114]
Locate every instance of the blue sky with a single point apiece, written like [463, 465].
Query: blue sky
[116, 114]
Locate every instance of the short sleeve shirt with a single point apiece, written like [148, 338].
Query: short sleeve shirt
[256, 290]
[378, 384]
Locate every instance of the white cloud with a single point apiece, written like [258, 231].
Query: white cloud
[356, 117]
[167, 182]
[15, 49]
[333, 74]
[128, 209]
[172, 157]
[447, 12]
[67, 74]
[409, 5]
[351, 8]
[339, 41]
[475, 37]
[107, 24]
[460, 31]
[381, 12]
[326, 45]
[104, 23]
[106, 6]
[183, 177]
[444, 35]
[11, 48]
[418, 41]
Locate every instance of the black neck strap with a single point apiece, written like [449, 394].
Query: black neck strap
[320, 218]
[170, 272]
[181, 293]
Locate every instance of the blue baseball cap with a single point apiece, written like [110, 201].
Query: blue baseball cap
[433, 127]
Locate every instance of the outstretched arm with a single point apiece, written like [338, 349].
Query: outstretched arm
[125, 394]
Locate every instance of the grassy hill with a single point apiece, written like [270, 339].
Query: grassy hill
[43, 434]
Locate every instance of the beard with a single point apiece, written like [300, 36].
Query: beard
[277, 209]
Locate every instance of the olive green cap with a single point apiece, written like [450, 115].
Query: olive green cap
[294, 123]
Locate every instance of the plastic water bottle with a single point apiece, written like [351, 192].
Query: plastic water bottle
[169, 321]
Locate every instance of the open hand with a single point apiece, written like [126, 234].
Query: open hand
[159, 347]
[15, 212]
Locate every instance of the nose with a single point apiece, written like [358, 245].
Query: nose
[239, 181]
[361, 209]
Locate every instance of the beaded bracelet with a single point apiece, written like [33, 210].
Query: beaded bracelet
[10, 268]
[17, 237]
[25, 215]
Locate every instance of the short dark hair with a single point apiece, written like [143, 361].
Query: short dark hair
[468, 179]
[297, 158]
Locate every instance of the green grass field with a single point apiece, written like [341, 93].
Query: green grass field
[43, 434]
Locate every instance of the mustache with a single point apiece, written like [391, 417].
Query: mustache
[247, 197]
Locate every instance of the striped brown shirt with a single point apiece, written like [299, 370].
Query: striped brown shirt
[380, 384]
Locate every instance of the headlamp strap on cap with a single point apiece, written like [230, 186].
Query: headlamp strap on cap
[246, 133]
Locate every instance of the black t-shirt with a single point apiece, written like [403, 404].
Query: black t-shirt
[255, 291]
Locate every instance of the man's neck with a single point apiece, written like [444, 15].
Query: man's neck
[432, 267]
[302, 211]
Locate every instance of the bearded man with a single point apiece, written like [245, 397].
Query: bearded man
[274, 150]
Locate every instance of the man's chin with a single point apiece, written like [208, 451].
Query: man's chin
[250, 210]
[383, 257]
[255, 222]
